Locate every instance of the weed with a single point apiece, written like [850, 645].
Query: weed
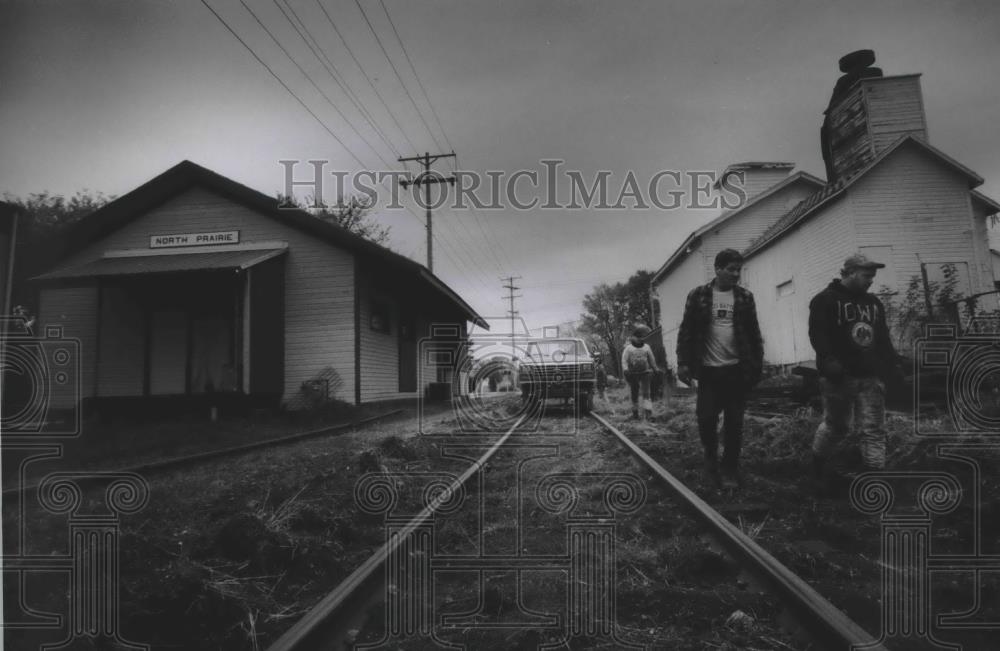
[751, 531]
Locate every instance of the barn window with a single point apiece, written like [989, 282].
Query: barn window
[786, 288]
[379, 320]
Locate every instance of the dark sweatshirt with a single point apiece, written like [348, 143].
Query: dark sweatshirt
[850, 328]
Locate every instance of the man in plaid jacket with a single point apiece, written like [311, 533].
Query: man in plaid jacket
[720, 345]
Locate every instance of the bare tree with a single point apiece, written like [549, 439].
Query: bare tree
[353, 215]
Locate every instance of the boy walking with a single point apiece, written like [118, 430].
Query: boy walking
[855, 358]
[720, 345]
[601, 375]
[638, 364]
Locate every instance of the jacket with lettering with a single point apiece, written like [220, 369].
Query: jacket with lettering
[697, 322]
[850, 328]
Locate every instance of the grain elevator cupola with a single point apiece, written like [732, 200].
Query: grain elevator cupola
[867, 112]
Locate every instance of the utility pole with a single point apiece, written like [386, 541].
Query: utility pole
[425, 179]
[510, 287]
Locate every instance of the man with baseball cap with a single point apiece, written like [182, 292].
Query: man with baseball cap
[855, 359]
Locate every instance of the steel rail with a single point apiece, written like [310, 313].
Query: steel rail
[174, 462]
[329, 622]
[824, 622]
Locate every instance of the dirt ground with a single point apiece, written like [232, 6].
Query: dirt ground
[827, 540]
[238, 549]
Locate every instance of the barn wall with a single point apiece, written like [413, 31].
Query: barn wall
[808, 258]
[699, 267]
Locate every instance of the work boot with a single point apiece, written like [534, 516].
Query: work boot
[731, 477]
[712, 471]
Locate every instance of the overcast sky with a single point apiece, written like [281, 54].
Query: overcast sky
[104, 95]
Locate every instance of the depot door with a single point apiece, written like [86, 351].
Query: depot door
[407, 356]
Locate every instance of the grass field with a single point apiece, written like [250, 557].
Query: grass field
[238, 548]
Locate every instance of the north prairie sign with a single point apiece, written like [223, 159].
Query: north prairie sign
[194, 239]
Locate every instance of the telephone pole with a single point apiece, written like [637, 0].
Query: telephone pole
[425, 179]
[510, 287]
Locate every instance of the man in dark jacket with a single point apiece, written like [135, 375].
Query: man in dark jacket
[855, 359]
[720, 345]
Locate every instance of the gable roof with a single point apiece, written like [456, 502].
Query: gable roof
[691, 239]
[992, 207]
[834, 191]
[185, 175]
[751, 165]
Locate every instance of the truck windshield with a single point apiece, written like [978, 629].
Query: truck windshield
[559, 351]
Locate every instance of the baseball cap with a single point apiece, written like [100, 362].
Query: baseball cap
[861, 261]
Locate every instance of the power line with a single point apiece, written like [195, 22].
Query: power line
[481, 245]
[396, 72]
[302, 103]
[450, 253]
[366, 76]
[492, 245]
[416, 76]
[495, 246]
[311, 81]
[283, 84]
[331, 68]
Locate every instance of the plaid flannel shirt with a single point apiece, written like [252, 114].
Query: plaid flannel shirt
[746, 331]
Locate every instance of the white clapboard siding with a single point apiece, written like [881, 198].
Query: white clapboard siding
[698, 268]
[895, 108]
[379, 350]
[750, 223]
[911, 204]
[319, 281]
[672, 294]
[756, 181]
[809, 256]
[921, 208]
[74, 309]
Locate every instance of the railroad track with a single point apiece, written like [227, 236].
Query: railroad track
[191, 459]
[335, 622]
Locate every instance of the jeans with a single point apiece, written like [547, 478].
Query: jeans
[861, 396]
[639, 382]
[721, 389]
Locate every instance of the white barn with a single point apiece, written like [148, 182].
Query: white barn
[911, 209]
[769, 192]
[890, 194]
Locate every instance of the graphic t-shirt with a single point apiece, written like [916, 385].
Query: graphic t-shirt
[720, 344]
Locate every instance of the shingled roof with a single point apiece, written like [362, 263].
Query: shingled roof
[186, 175]
[681, 250]
[833, 191]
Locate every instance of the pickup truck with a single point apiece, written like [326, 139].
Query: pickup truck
[557, 368]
